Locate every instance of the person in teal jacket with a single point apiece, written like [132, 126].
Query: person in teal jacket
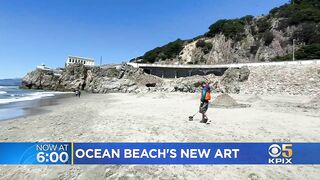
[204, 102]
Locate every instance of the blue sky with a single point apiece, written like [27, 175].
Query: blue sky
[37, 31]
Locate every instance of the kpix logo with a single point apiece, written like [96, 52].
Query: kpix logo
[280, 154]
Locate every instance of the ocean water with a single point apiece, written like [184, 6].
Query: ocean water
[15, 102]
[10, 94]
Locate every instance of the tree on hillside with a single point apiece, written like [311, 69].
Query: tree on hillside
[168, 51]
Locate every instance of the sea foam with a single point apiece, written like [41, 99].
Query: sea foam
[3, 92]
[28, 97]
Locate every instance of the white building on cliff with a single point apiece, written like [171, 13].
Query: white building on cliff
[80, 60]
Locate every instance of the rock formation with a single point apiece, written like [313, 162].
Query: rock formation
[91, 79]
[284, 79]
[249, 39]
[124, 79]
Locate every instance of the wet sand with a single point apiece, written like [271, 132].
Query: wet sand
[163, 117]
[29, 108]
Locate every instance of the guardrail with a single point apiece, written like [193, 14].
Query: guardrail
[304, 62]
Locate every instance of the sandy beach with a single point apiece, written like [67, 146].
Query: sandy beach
[163, 117]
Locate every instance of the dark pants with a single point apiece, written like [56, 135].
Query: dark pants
[203, 109]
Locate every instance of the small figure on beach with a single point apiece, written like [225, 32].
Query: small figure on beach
[78, 93]
[204, 102]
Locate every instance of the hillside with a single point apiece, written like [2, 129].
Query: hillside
[249, 39]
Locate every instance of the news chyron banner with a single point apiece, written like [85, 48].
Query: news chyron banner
[159, 153]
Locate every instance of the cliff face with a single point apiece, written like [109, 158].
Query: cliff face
[126, 79]
[251, 47]
[224, 50]
[286, 79]
[249, 39]
[69, 79]
[90, 79]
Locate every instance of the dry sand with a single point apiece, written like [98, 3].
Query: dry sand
[162, 117]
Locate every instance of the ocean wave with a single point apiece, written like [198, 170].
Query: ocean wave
[31, 96]
[3, 92]
[9, 87]
[15, 95]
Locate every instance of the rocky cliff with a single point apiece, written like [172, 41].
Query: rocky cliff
[289, 80]
[285, 79]
[249, 39]
[91, 79]
[126, 79]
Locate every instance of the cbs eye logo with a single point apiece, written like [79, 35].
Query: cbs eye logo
[280, 154]
[274, 150]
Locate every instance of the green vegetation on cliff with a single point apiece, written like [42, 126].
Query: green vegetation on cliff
[298, 11]
[205, 46]
[305, 53]
[304, 15]
[170, 50]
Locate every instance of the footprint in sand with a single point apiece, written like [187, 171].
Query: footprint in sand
[111, 171]
[253, 176]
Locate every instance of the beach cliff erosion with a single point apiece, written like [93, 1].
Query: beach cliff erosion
[93, 79]
[286, 79]
[125, 79]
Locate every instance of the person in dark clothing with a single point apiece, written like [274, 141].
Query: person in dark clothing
[78, 93]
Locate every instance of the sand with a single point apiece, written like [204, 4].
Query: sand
[159, 117]
[226, 101]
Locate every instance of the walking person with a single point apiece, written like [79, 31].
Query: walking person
[204, 102]
[78, 93]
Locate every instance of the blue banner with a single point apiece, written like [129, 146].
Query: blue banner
[160, 153]
[35, 153]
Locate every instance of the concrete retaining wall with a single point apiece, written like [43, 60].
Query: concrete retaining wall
[179, 70]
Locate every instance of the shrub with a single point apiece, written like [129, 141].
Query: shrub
[263, 24]
[200, 44]
[287, 57]
[299, 11]
[247, 19]
[305, 53]
[315, 3]
[195, 38]
[230, 28]
[283, 24]
[305, 15]
[205, 46]
[274, 11]
[268, 38]
[170, 50]
[309, 52]
[216, 28]
[254, 49]
[283, 11]
[308, 33]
